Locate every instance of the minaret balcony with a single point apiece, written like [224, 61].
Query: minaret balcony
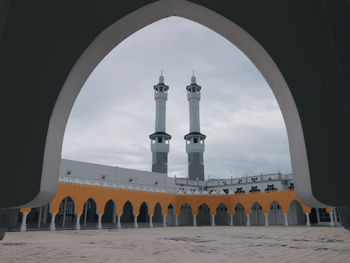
[159, 147]
[195, 147]
[160, 142]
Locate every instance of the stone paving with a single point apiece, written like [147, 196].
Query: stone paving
[180, 244]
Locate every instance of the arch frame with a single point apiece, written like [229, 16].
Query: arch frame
[128, 25]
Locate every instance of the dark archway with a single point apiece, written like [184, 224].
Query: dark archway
[143, 216]
[127, 218]
[221, 216]
[170, 218]
[296, 214]
[203, 218]
[239, 216]
[275, 216]
[66, 215]
[186, 217]
[89, 217]
[256, 215]
[157, 215]
[109, 215]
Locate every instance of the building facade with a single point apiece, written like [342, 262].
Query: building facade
[99, 196]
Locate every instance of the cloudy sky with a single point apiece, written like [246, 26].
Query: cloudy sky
[115, 110]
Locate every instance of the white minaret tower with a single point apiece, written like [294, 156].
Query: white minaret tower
[194, 139]
[160, 139]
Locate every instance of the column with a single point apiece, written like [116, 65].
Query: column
[318, 216]
[176, 220]
[285, 219]
[332, 219]
[52, 224]
[307, 219]
[150, 221]
[85, 212]
[24, 222]
[231, 220]
[39, 217]
[77, 222]
[194, 220]
[135, 221]
[119, 225]
[164, 220]
[266, 219]
[64, 213]
[114, 214]
[212, 220]
[248, 219]
[45, 213]
[99, 222]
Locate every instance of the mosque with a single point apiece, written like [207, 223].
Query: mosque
[99, 196]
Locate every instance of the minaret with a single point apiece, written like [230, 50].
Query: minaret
[160, 139]
[195, 139]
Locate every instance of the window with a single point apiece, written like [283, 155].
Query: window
[159, 140]
[195, 140]
[324, 216]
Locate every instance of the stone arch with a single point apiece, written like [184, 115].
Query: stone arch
[222, 216]
[89, 216]
[144, 212]
[275, 214]
[121, 29]
[256, 215]
[157, 218]
[66, 214]
[239, 216]
[127, 217]
[203, 217]
[170, 216]
[185, 216]
[110, 212]
[296, 214]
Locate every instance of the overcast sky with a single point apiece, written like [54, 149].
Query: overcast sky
[115, 110]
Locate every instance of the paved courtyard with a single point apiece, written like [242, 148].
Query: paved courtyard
[180, 244]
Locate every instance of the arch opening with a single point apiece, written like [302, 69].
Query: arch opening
[170, 218]
[127, 218]
[221, 216]
[89, 217]
[66, 215]
[186, 217]
[239, 216]
[109, 215]
[203, 218]
[143, 216]
[157, 218]
[113, 35]
[257, 217]
[296, 214]
[275, 216]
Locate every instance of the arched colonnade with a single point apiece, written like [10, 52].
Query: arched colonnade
[83, 206]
